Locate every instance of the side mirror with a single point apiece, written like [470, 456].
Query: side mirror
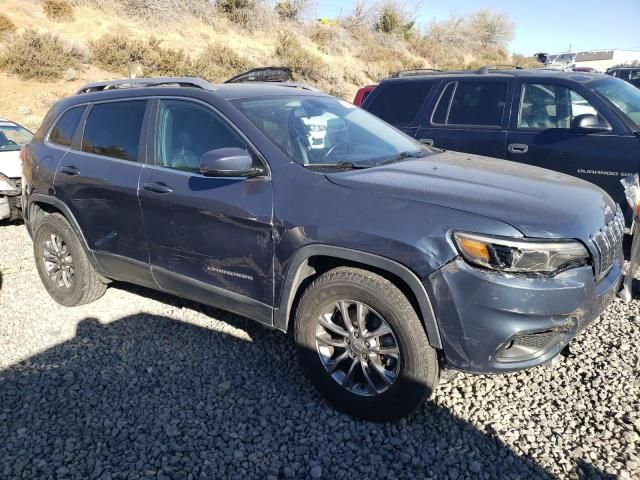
[589, 123]
[228, 162]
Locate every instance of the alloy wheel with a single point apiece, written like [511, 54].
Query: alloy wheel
[358, 348]
[58, 262]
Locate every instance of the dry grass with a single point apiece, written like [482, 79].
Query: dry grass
[219, 62]
[58, 10]
[6, 25]
[218, 38]
[34, 55]
[302, 62]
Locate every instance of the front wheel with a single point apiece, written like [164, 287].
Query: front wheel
[363, 346]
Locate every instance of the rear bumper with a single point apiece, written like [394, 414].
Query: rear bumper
[492, 322]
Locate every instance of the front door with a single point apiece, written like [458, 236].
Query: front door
[209, 237]
[542, 135]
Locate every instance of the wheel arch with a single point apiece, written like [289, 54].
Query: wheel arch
[43, 203]
[312, 260]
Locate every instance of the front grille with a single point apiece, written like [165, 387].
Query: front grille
[608, 242]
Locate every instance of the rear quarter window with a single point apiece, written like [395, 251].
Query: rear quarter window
[398, 103]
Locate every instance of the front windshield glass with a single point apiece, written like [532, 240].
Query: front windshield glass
[12, 137]
[623, 95]
[325, 131]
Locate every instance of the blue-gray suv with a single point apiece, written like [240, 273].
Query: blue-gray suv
[388, 260]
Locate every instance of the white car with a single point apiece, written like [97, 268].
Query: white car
[12, 138]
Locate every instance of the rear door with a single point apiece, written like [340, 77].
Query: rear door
[541, 134]
[469, 115]
[399, 102]
[209, 237]
[98, 180]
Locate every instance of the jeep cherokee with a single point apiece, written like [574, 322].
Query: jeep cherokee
[388, 260]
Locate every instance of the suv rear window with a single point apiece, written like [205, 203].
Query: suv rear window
[473, 103]
[398, 103]
[62, 132]
[113, 129]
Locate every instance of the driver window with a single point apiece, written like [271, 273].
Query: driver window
[187, 130]
[544, 106]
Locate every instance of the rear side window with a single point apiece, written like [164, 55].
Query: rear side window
[113, 129]
[399, 102]
[63, 131]
[478, 103]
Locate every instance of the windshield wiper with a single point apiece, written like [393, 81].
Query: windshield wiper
[402, 156]
[336, 166]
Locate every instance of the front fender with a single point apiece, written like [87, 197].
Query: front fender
[296, 273]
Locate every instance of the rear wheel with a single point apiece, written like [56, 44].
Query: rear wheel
[363, 346]
[63, 265]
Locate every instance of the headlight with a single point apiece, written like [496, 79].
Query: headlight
[8, 186]
[542, 257]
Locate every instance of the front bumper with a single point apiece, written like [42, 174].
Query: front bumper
[492, 322]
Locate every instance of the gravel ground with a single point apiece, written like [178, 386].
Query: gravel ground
[145, 385]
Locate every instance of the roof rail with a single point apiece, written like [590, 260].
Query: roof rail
[486, 68]
[146, 82]
[414, 71]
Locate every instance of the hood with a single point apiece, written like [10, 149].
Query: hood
[10, 165]
[538, 202]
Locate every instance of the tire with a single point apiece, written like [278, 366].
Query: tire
[411, 367]
[77, 282]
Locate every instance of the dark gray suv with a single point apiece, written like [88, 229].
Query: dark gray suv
[388, 260]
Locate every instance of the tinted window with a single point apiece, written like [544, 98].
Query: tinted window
[186, 131]
[113, 129]
[62, 133]
[544, 106]
[440, 113]
[478, 103]
[399, 102]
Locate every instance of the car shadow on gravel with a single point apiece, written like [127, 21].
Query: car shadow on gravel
[152, 397]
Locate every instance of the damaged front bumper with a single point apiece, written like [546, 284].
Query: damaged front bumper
[492, 322]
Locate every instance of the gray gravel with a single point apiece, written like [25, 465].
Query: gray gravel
[145, 385]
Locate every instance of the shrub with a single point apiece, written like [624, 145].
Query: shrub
[118, 53]
[297, 58]
[34, 55]
[292, 9]
[393, 18]
[242, 12]
[58, 10]
[219, 62]
[6, 25]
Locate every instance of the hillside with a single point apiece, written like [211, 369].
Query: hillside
[49, 48]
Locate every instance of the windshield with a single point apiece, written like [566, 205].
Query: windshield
[12, 137]
[623, 95]
[325, 131]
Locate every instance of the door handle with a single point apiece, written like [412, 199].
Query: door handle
[427, 141]
[518, 148]
[70, 170]
[157, 187]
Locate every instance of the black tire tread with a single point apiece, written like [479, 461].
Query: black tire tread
[90, 287]
[392, 295]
